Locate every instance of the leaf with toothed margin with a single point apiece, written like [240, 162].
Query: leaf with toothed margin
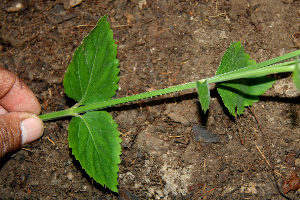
[95, 142]
[92, 77]
[238, 94]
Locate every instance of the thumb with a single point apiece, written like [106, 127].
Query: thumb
[17, 129]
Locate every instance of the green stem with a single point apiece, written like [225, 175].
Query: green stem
[279, 68]
[272, 61]
[58, 114]
[96, 106]
[248, 72]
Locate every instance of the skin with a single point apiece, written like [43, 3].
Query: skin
[17, 104]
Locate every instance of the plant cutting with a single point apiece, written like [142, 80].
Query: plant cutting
[92, 80]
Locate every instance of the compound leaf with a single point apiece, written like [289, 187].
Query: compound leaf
[92, 76]
[238, 94]
[95, 142]
[203, 94]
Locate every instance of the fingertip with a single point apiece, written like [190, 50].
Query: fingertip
[31, 129]
[17, 129]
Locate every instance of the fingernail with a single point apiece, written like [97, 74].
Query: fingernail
[31, 129]
[2, 111]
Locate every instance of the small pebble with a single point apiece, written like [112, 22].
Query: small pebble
[70, 176]
[35, 183]
[297, 162]
[18, 5]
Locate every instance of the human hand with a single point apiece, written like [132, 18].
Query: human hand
[19, 123]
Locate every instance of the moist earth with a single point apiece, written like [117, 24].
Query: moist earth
[170, 148]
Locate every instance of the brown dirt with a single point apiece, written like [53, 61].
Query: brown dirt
[161, 43]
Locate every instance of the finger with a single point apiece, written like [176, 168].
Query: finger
[2, 111]
[17, 129]
[15, 96]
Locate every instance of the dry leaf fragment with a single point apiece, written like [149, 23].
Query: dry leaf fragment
[71, 3]
[291, 183]
[18, 5]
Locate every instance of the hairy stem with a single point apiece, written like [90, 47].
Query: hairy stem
[247, 72]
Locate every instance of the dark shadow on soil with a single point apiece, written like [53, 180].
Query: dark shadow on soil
[6, 158]
[291, 100]
[69, 101]
[95, 185]
[153, 102]
[194, 96]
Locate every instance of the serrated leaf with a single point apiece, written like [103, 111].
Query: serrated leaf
[95, 142]
[92, 76]
[238, 94]
[203, 94]
[234, 58]
[296, 74]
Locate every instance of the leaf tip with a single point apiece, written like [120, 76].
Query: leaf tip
[203, 94]
[296, 74]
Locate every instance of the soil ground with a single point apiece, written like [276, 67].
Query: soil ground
[164, 152]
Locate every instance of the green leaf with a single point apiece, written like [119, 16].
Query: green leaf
[203, 94]
[238, 94]
[92, 76]
[296, 74]
[95, 142]
[234, 58]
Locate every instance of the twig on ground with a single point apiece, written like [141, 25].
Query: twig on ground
[272, 166]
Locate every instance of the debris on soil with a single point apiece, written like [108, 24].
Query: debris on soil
[290, 159]
[291, 183]
[71, 3]
[18, 5]
[126, 195]
[203, 135]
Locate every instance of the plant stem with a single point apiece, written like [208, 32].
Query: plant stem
[247, 72]
[272, 61]
[96, 106]
[238, 74]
